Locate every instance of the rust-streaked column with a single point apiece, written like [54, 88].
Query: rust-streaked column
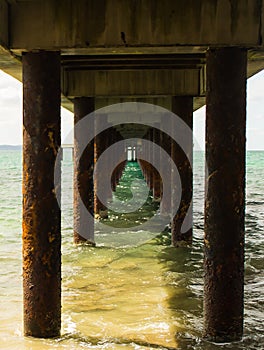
[113, 140]
[149, 153]
[156, 158]
[151, 168]
[117, 172]
[183, 108]
[225, 201]
[165, 142]
[41, 211]
[102, 142]
[115, 137]
[83, 175]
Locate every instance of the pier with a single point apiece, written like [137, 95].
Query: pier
[159, 58]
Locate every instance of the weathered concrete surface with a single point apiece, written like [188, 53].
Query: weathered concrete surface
[4, 35]
[138, 75]
[225, 201]
[87, 28]
[41, 212]
[148, 82]
[84, 24]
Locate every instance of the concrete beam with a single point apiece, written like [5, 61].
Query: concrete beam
[69, 24]
[164, 102]
[3, 23]
[151, 82]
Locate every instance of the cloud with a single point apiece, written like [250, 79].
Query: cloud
[255, 86]
[10, 97]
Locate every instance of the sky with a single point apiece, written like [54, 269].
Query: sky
[11, 114]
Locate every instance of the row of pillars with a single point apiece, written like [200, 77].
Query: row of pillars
[224, 205]
[87, 181]
[182, 107]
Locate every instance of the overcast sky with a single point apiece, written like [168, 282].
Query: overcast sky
[11, 113]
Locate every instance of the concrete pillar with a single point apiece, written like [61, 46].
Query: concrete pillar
[116, 138]
[113, 139]
[165, 141]
[183, 108]
[225, 201]
[102, 142]
[83, 175]
[141, 163]
[117, 172]
[156, 158]
[152, 169]
[41, 211]
[149, 153]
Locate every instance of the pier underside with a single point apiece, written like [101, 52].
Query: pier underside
[174, 56]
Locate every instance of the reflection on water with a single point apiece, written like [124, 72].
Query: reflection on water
[132, 293]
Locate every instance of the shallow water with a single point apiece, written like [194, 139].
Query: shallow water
[130, 291]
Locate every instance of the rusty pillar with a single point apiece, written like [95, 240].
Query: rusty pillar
[149, 154]
[156, 158]
[225, 200]
[141, 163]
[114, 139]
[83, 175]
[151, 168]
[41, 211]
[102, 142]
[145, 165]
[117, 172]
[183, 108]
[165, 141]
[121, 168]
[113, 136]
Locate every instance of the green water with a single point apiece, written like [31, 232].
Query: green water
[130, 291]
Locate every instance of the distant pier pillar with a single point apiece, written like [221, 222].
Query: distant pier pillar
[225, 200]
[165, 142]
[156, 159]
[149, 154]
[113, 138]
[83, 175]
[41, 211]
[183, 108]
[102, 142]
[120, 164]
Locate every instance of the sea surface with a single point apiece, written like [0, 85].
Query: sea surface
[132, 291]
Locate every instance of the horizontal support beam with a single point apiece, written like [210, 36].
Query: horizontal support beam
[70, 24]
[133, 61]
[4, 23]
[164, 102]
[162, 82]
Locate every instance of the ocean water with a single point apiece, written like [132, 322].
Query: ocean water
[130, 291]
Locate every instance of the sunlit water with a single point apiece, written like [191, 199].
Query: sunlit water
[130, 291]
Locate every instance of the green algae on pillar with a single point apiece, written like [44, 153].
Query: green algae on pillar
[41, 211]
[225, 200]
